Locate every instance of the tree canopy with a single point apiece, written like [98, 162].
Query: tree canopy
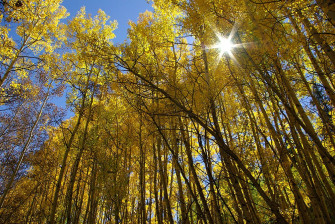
[168, 126]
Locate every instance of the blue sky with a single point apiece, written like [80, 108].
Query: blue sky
[120, 10]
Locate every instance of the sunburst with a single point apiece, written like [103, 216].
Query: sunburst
[225, 45]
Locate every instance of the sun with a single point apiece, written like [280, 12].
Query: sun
[225, 45]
